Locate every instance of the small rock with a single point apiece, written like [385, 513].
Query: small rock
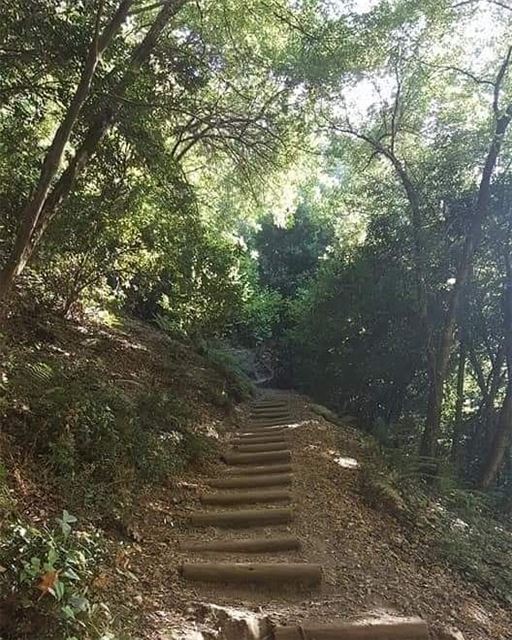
[138, 599]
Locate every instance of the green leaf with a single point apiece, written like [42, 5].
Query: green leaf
[68, 517]
[79, 603]
[71, 574]
[58, 590]
[68, 612]
[53, 556]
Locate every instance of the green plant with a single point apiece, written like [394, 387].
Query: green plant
[476, 545]
[238, 384]
[48, 570]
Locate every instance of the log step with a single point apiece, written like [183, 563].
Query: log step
[271, 469]
[276, 428]
[247, 497]
[251, 545]
[243, 518]
[253, 425]
[269, 402]
[260, 447]
[269, 413]
[297, 574]
[249, 481]
[270, 407]
[412, 629]
[275, 433]
[256, 458]
[269, 422]
[259, 440]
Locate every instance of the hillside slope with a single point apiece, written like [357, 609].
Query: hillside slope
[95, 418]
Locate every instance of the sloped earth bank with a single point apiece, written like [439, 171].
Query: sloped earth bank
[372, 564]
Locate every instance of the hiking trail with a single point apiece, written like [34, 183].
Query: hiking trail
[277, 544]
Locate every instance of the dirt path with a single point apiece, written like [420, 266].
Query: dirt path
[371, 565]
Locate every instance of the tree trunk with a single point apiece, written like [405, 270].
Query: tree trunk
[500, 442]
[28, 238]
[428, 444]
[457, 428]
[503, 433]
[31, 213]
[433, 420]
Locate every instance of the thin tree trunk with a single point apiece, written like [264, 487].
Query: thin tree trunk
[459, 404]
[497, 376]
[503, 433]
[483, 384]
[32, 211]
[500, 442]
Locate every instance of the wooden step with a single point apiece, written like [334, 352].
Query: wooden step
[248, 481]
[411, 629]
[252, 425]
[269, 413]
[262, 430]
[267, 432]
[270, 421]
[264, 469]
[242, 518]
[300, 575]
[269, 402]
[247, 497]
[260, 447]
[255, 458]
[249, 545]
[259, 440]
[275, 433]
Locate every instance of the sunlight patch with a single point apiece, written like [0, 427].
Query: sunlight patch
[346, 463]
[343, 461]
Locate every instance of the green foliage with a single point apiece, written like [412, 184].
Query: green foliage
[288, 255]
[238, 385]
[96, 437]
[475, 542]
[463, 526]
[48, 572]
[385, 485]
[259, 318]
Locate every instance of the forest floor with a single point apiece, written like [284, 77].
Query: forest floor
[376, 559]
[374, 564]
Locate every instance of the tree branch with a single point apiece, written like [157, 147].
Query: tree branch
[497, 3]
[499, 81]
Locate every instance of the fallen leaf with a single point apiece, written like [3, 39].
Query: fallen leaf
[102, 581]
[48, 582]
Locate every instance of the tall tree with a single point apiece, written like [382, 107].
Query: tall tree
[42, 207]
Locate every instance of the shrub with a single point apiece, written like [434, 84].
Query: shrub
[238, 384]
[47, 573]
[102, 440]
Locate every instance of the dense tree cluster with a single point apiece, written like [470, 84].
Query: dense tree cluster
[407, 319]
